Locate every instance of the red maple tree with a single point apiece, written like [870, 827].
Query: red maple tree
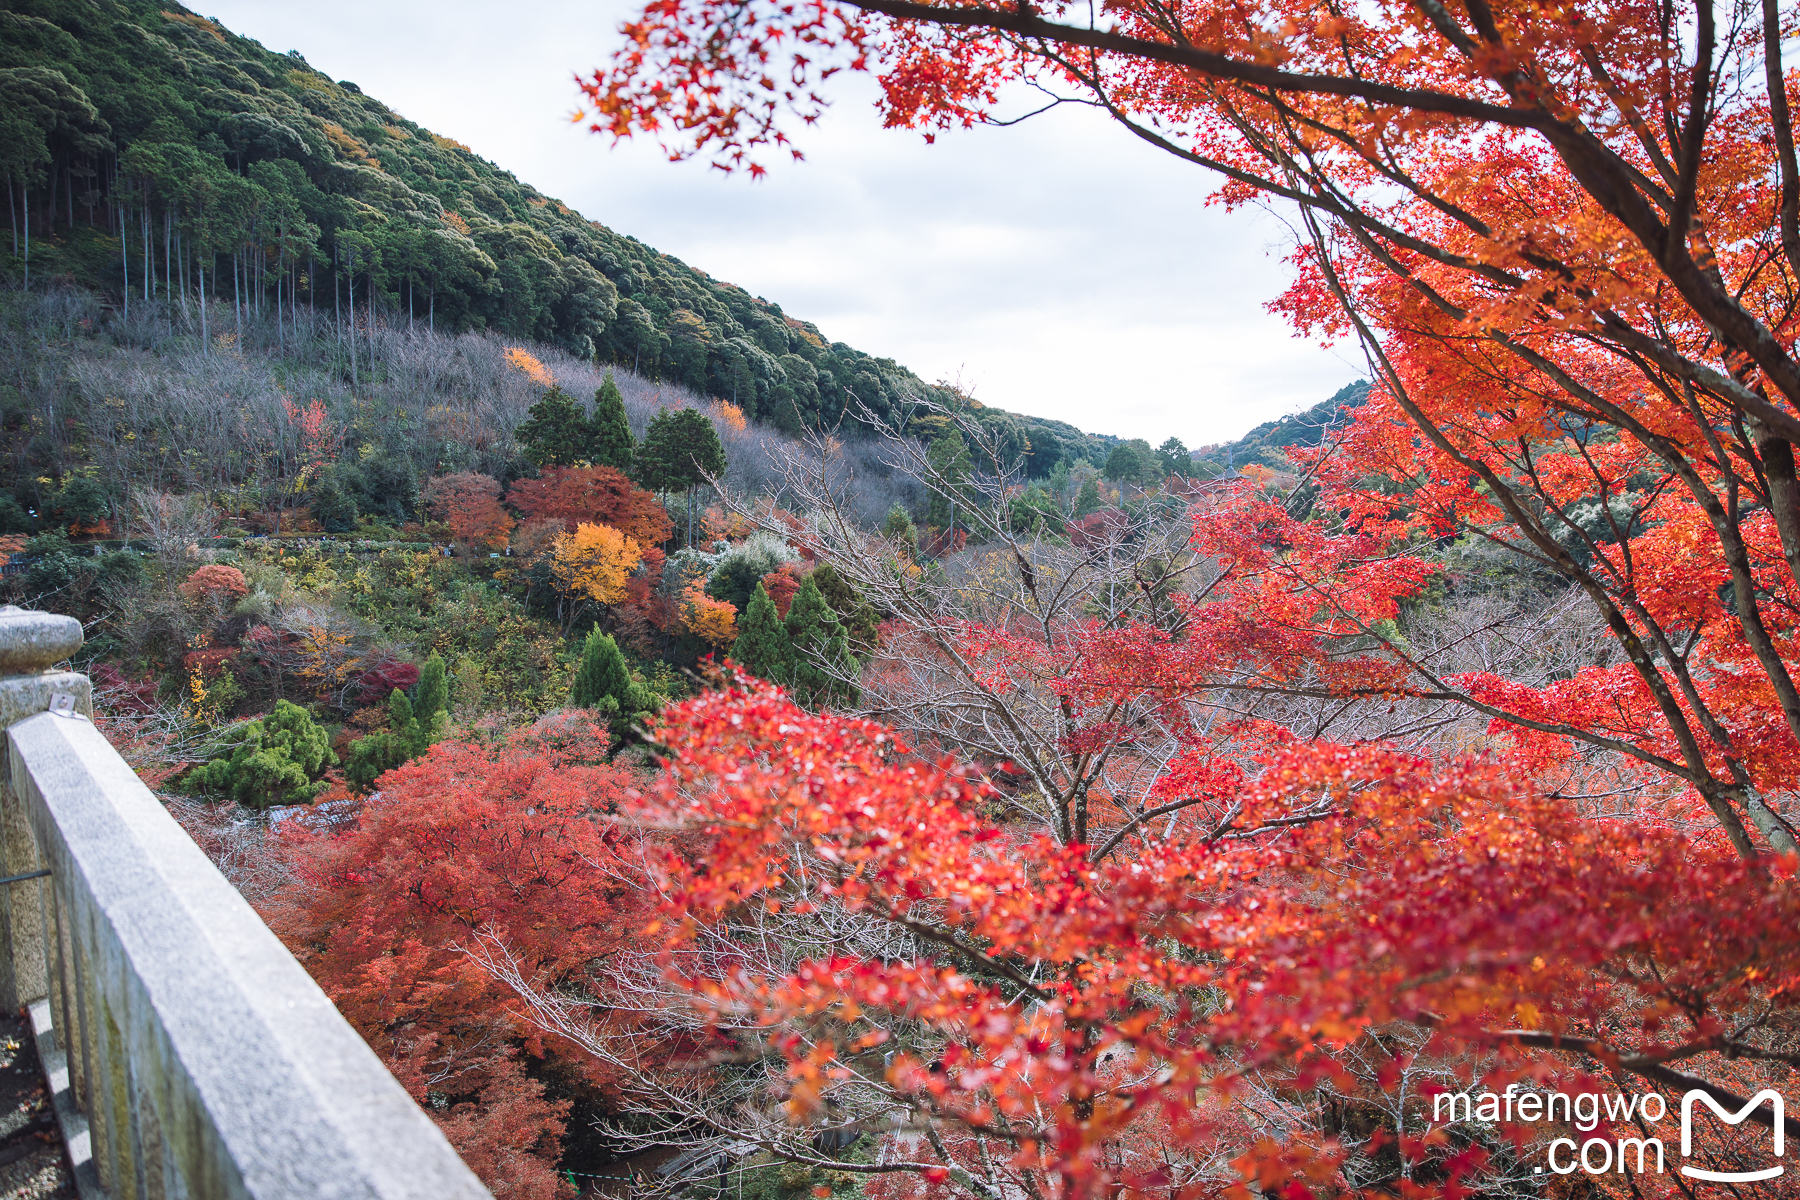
[506, 841]
[595, 496]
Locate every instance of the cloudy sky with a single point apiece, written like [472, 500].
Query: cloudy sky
[1058, 268]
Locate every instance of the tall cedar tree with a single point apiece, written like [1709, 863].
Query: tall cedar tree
[949, 458]
[603, 675]
[818, 649]
[556, 432]
[431, 702]
[681, 449]
[860, 621]
[611, 439]
[762, 647]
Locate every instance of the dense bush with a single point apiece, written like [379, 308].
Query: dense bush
[278, 759]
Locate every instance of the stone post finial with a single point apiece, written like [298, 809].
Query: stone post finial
[30, 644]
[32, 641]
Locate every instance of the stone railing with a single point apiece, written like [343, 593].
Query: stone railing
[189, 1054]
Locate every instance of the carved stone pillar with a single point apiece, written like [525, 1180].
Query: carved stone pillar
[30, 644]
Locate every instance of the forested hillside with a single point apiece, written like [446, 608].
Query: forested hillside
[242, 174]
[1268, 444]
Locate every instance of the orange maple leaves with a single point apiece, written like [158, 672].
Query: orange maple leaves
[1080, 1004]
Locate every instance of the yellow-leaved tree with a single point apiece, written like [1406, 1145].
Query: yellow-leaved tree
[591, 565]
[712, 621]
[529, 365]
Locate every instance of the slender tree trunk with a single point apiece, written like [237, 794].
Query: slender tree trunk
[350, 334]
[237, 296]
[369, 312]
[181, 251]
[409, 306]
[27, 207]
[144, 220]
[12, 211]
[431, 309]
[124, 265]
[205, 336]
[169, 255]
[50, 208]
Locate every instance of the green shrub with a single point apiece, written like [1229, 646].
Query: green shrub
[278, 761]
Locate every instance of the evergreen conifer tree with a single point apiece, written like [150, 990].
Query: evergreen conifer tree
[401, 719]
[431, 708]
[332, 507]
[762, 647]
[949, 459]
[603, 676]
[899, 526]
[811, 626]
[1087, 500]
[610, 432]
[380, 752]
[556, 433]
[843, 668]
[680, 449]
[860, 621]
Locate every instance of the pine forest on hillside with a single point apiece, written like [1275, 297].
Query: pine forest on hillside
[706, 760]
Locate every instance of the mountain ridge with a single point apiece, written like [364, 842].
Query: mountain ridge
[170, 125]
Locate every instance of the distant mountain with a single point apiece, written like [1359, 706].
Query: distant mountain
[250, 173]
[244, 171]
[1267, 443]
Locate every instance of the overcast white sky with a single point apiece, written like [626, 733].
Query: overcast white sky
[1058, 268]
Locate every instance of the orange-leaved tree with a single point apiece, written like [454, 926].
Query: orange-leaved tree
[597, 495]
[1222, 1006]
[470, 504]
[506, 840]
[712, 621]
[1568, 238]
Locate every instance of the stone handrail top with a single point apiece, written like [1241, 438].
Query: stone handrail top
[35, 641]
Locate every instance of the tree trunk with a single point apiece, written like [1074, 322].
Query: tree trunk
[369, 310]
[27, 207]
[124, 265]
[237, 297]
[350, 334]
[144, 220]
[181, 252]
[205, 336]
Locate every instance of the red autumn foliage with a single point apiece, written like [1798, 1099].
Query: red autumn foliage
[1361, 891]
[594, 496]
[781, 585]
[381, 680]
[215, 584]
[470, 504]
[505, 841]
[118, 693]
